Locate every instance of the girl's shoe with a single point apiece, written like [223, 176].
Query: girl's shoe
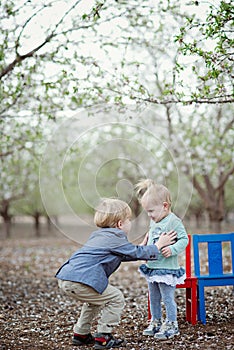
[167, 331]
[106, 341]
[153, 328]
[82, 339]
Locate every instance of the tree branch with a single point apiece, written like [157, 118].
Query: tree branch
[200, 190]
[20, 58]
[2, 155]
[224, 99]
[224, 179]
[228, 126]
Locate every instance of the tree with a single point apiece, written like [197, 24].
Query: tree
[20, 150]
[33, 65]
[47, 66]
[208, 135]
[135, 54]
[210, 42]
[105, 159]
[160, 83]
[30, 205]
[190, 53]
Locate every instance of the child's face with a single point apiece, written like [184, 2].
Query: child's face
[125, 225]
[155, 211]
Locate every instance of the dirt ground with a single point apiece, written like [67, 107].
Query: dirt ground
[34, 314]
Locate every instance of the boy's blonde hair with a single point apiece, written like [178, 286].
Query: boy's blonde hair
[110, 211]
[147, 188]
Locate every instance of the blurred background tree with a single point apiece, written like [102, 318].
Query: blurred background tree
[176, 57]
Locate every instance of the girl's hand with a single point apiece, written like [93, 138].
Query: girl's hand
[166, 252]
[166, 239]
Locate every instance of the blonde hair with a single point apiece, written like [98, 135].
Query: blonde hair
[110, 211]
[157, 193]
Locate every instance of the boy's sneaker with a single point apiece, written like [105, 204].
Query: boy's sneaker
[168, 330]
[82, 339]
[106, 341]
[153, 328]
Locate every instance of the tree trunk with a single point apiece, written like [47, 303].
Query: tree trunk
[48, 223]
[213, 199]
[7, 227]
[198, 218]
[217, 211]
[215, 226]
[37, 226]
[7, 219]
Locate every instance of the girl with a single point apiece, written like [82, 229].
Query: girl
[163, 274]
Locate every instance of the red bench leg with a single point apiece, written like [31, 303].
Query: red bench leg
[194, 302]
[149, 313]
[188, 304]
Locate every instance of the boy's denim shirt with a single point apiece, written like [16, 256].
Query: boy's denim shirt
[101, 255]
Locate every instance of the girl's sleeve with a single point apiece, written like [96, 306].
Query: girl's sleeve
[182, 239]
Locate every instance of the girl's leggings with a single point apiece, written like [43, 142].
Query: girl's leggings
[162, 292]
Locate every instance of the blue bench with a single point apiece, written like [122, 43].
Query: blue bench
[215, 276]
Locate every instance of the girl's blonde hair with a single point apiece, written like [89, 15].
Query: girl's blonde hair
[157, 193]
[110, 211]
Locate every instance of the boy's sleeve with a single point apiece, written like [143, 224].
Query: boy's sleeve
[131, 252]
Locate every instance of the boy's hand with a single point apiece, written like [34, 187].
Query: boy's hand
[166, 252]
[166, 239]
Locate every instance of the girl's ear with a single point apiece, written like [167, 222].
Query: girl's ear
[165, 205]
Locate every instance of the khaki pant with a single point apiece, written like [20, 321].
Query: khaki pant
[110, 303]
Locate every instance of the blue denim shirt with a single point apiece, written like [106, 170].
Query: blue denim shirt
[101, 255]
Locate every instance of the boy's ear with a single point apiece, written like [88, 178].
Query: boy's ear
[165, 205]
[119, 224]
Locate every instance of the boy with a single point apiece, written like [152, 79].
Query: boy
[85, 275]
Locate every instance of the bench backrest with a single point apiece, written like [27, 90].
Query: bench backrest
[214, 257]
